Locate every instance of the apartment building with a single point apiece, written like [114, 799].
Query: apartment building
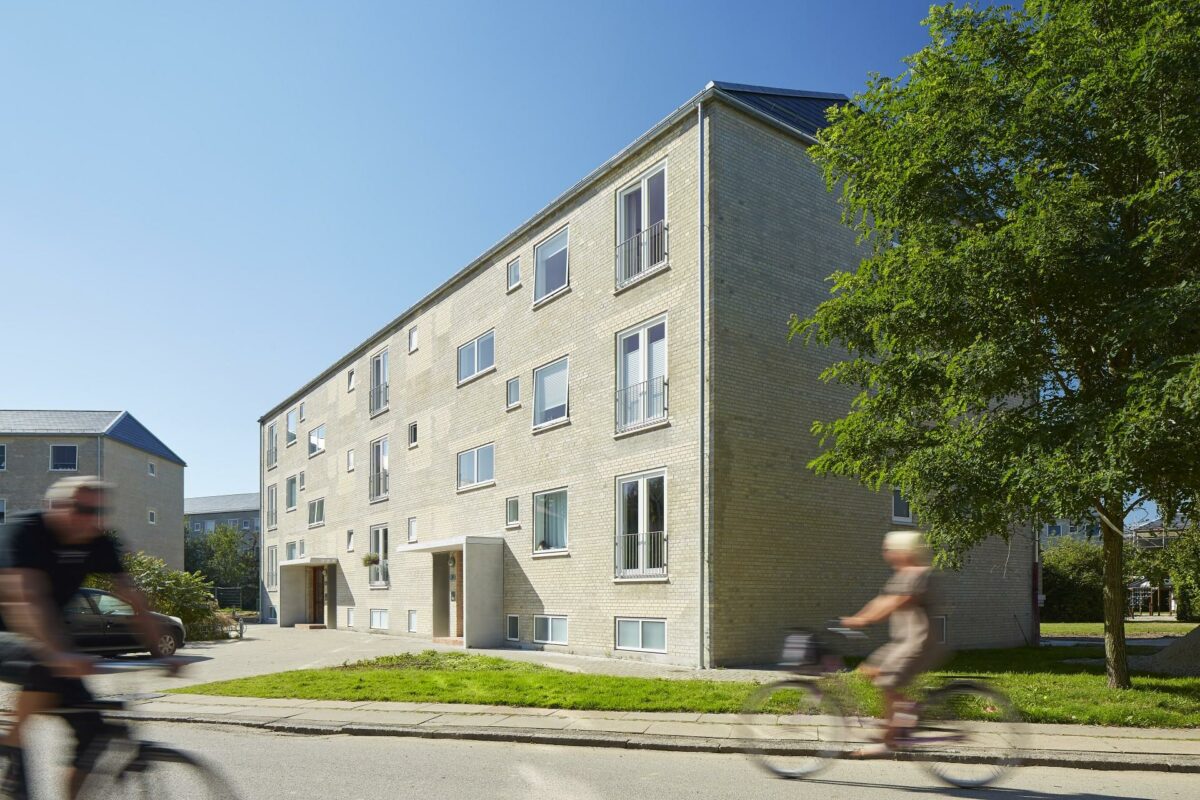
[593, 437]
[37, 448]
[202, 515]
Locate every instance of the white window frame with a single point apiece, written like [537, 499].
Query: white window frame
[412, 530]
[231, 523]
[511, 520]
[290, 432]
[414, 339]
[291, 551]
[350, 540]
[412, 620]
[550, 628]
[379, 463]
[509, 619]
[897, 496]
[319, 433]
[151, 469]
[566, 416]
[566, 546]
[316, 505]
[378, 539]
[640, 478]
[351, 379]
[641, 635]
[642, 331]
[475, 467]
[641, 183]
[548, 296]
[272, 579]
[245, 524]
[74, 447]
[412, 435]
[513, 285]
[301, 407]
[210, 525]
[272, 452]
[509, 402]
[349, 616]
[350, 460]
[196, 527]
[291, 493]
[272, 506]
[380, 614]
[380, 358]
[476, 369]
[300, 481]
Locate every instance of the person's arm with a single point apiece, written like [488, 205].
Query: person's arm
[878, 610]
[149, 628]
[25, 598]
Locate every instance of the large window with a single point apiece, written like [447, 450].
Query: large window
[64, 458]
[549, 630]
[476, 466]
[642, 634]
[378, 483]
[550, 262]
[642, 375]
[379, 382]
[316, 440]
[642, 227]
[550, 393]
[272, 566]
[316, 512]
[379, 549]
[901, 512]
[290, 494]
[476, 356]
[272, 447]
[272, 507]
[289, 436]
[550, 521]
[642, 526]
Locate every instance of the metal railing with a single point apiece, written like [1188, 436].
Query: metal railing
[378, 485]
[641, 555]
[379, 397]
[641, 253]
[379, 572]
[272, 456]
[641, 404]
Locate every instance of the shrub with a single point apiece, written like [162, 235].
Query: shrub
[1073, 581]
[186, 595]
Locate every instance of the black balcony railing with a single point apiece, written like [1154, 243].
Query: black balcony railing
[641, 555]
[378, 488]
[641, 404]
[641, 253]
[379, 572]
[379, 397]
[272, 456]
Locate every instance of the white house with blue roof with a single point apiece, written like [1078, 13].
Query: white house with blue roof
[37, 448]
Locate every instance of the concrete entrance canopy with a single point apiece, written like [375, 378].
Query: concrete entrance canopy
[482, 590]
[302, 595]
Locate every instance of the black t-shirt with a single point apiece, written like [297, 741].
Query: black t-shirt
[26, 542]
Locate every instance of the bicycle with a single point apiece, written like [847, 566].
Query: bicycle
[126, 766]
[966, 733]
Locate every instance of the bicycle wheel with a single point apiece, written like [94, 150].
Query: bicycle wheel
[794, 728]
[157, 772]
[970, 735]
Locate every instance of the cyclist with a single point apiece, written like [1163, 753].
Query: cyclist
[44, 558]
[904, 601]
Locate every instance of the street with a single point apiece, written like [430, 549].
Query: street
[266, 765]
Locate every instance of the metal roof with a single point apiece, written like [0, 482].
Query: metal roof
[118, 425]
[221, 503]
[802, 110]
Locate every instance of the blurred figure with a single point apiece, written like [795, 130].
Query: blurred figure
[905, 601]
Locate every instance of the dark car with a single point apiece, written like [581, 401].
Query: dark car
[100, 622]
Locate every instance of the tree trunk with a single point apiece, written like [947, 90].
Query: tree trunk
[1115, 663]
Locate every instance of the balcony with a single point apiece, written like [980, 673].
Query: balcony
[641, 404]
[378, 486]
[642, 254]
[642, 555]
[379, 574]
[379, 398]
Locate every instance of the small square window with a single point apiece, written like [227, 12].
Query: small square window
[3, 457]
[642, 634]
[302, 412]
[412, 434]
[550, 630]
[412, 529]
[350, 380]
[350, 460]
[349, 541]
[195, 527]
[245, 524]
[476, 356]
[514, 274]
[413, 339]
[476, 466]
[513, 392]
[64, 458]
[514, 628]
[301, 480]
[512, 512]
[151, 469]
[316, 440]
[412, 621]
[152, 517]
[379, 619]
[316, 512]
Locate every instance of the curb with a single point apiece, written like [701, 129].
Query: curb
[1180, 764]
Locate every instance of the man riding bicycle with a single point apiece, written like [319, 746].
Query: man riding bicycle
[44, 559]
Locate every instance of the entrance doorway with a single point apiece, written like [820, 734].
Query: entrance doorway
[316, 596]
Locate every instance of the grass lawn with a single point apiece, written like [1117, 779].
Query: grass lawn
[1133, 630]
[1041, 684]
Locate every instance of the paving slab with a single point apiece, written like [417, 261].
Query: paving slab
[543, 723]
[613, 725]
[469, 720]
[155, 707]
[358, 715]
[335, 704]
[705, 729]
[661, 716]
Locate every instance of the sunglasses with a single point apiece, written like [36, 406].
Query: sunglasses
[95, 511]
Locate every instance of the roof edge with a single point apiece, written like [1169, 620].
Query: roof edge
[747, 87]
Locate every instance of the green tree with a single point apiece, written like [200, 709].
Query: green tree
[187, 595]
[230, 557]
[1023, 327]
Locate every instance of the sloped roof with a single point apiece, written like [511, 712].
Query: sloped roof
[221, 503]
[119, 425]
[796, 108]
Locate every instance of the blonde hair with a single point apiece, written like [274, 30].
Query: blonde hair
[63, 492]
[908, 541]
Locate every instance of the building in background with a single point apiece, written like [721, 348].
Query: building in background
[594, 437]
[203, 514]
[37, 448]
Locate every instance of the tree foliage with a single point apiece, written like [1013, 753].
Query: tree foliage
[226, 556]
[187, 595]
[1023, 328]
[1073, 581]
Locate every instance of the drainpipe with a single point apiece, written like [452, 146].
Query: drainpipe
[703, 430]
[263, 600]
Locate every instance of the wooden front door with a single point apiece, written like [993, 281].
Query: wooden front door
[316, 608]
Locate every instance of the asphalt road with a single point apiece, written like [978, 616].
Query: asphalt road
[281, 767]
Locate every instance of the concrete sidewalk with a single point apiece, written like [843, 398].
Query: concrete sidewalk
[1079, 746]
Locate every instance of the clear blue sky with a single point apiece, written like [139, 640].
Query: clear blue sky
[182, 183]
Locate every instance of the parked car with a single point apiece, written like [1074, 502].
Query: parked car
[100, 622]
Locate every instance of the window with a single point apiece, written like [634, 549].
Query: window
[350, 460]
[3, 457]
[642, 227]
[316, 440]
[272, 566]
[642, 375]
[1054, 530]
[271, 613]
[642, 526]
[513, 632]
[412, 621]
[350, 380]
[301, 548]
[195, 527]
[476, 356]
[272, 445]
[514, 274]
[476, 466]
[412, 529]
[233, 523]
[938, 624]
[290, 552]
[512, 513]
[350, 541]
[379, 548]
[412, 434]
[900, 509]
[550, 393]
[289, 494]
[151, 469]
[378, 483]
[349, 617]
[316, 512]
[64, 458]
[413, 339]
[642, 634]
[290, 434]
[550, 264]
[272, 510]
[549, 630]
[301, 481]
[302, 412]
[210, 525]
[108, 605]
[3, 510]
[512, 392]
[379, 619]
[379, 383]
[550, 521]
[245, 524]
